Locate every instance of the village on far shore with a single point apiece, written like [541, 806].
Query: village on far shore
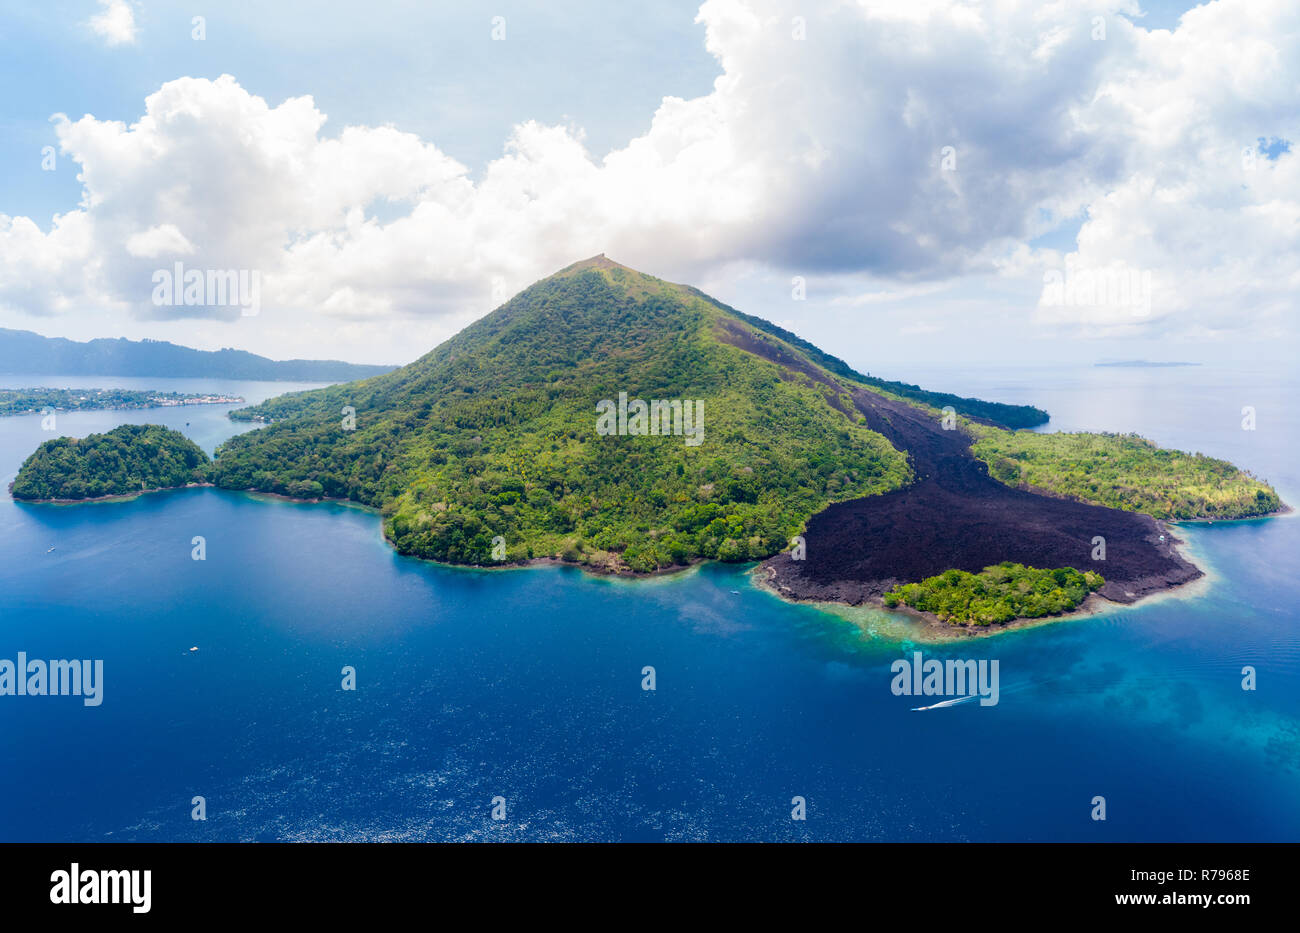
[41, 400]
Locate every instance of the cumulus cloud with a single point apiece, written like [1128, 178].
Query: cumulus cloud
[115, 24]
[895, 147]
[1203, 205]
[162, 240]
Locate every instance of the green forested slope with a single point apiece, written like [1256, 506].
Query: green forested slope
[124, 460]
[494, 433]
[1124, 471]
[487, 449]
[997, 594]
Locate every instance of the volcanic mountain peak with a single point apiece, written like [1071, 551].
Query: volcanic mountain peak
[599, 261]
[632, 282]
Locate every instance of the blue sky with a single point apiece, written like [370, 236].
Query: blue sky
[931, 180]
[424, 67]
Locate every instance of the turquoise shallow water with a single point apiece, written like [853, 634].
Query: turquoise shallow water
[526, 684]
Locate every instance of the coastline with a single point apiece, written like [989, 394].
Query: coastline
[58, 410]
[113, 497]
[921, 626]
[595, 570]
[927, 628]
[337, 500]
[1280, 512]
[1282, 509]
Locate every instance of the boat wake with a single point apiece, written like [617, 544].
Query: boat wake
[918, 709]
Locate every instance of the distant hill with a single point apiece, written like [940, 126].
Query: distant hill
[22, 351]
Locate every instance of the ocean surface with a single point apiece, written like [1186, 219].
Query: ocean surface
[526, 684]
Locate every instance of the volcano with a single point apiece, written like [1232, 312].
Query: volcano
[490, 449]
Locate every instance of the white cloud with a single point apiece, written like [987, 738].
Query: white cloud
[115, 24]
[821, 157]
[888, 295]
[162, 240]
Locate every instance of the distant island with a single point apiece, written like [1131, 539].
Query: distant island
[1145, 363]
[127, 460]
[25, 352]
[628, 425]
[39, 399]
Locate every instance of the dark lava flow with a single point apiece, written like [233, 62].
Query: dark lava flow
[956, 516]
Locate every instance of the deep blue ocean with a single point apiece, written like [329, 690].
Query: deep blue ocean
[526, 684]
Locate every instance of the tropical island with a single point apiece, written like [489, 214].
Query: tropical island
[37, 400]
[1144, 364]
[552, 430]
[127, 460]
[997, 594]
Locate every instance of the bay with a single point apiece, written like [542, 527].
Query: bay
[527, 684]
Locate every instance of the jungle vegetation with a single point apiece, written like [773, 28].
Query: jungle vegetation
[1123, 471]
[493, 434]
[997, 594]
[124, 460]
[1010, 416]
